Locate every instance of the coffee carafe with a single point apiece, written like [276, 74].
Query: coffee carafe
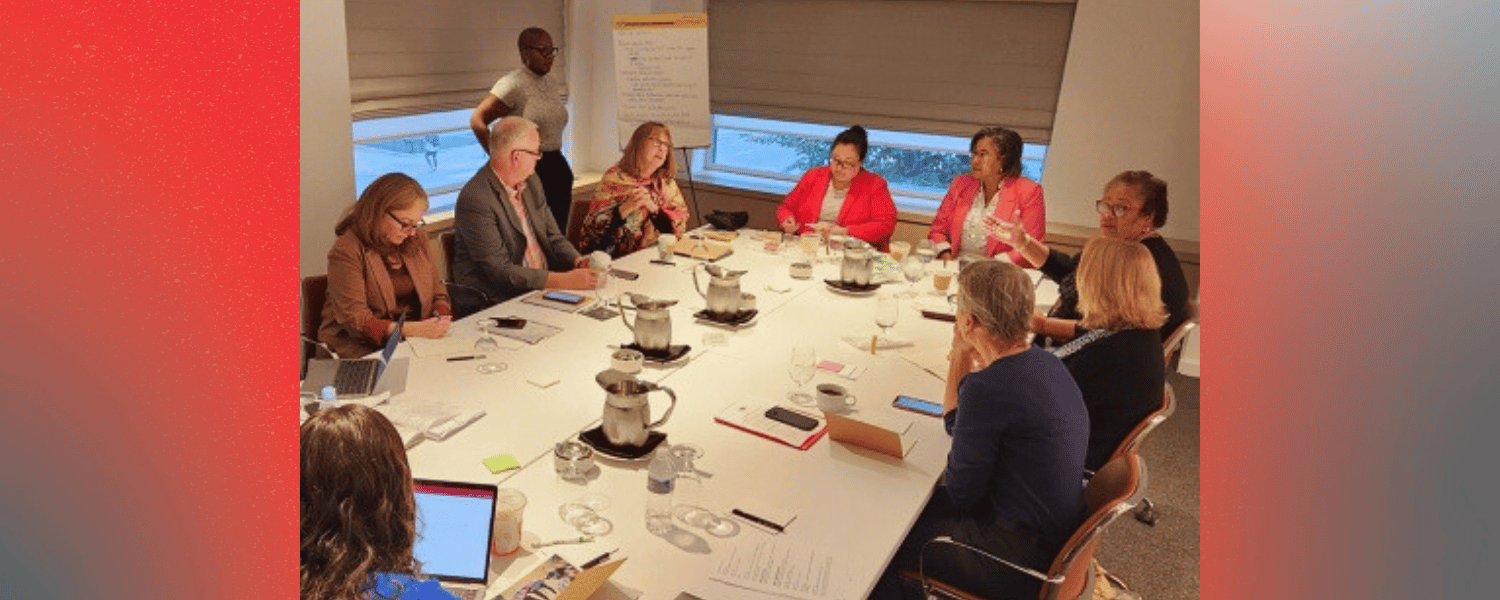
[858, 262]
[653, 322]
[723, 294]
[627, 413]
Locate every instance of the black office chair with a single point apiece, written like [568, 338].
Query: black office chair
[314, 294]
[446, 240]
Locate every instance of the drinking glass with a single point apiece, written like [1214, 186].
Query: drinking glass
[803, 362]
[913, 269]
[810, 242]
[887, 308]
[487, 346]
[584, 518]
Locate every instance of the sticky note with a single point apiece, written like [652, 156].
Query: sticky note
[501, 463]
[829, 365]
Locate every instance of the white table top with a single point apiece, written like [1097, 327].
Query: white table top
[856, 503]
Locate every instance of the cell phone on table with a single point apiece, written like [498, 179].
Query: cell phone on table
[563, 297]
[623, 274]
[509, 322]
[800, 421]
[918, 405]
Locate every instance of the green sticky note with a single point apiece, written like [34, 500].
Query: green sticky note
[501, 463]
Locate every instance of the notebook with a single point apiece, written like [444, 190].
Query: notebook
[454, 524]
[322, 372]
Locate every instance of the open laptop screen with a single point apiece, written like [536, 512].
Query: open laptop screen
[454, 521]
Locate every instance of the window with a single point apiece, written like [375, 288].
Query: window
[917, 166]
[437, 149]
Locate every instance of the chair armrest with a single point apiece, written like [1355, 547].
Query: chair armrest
[943, 539]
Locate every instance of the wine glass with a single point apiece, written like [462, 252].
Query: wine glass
[887, 308]
[487, 346]
[803, 362]
[584, 518]
[913, 269]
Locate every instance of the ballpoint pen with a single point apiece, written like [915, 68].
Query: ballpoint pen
[583, 539]
[469, 357]
[597, 560]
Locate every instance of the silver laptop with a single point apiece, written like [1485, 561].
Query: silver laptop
[352, 377]
[454, 524]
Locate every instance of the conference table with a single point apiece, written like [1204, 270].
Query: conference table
[851, 506]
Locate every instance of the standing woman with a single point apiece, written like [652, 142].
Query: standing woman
[378, 269]
[358, 515]
[1117, 361]
[842, 194]
[533, 92]
[993, 187]
[638, 199]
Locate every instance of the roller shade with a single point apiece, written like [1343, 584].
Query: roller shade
[409, 57]
[931, 66]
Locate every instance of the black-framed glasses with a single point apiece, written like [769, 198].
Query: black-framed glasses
[659, 143]
[1105, 208]
[406, 227]
[843, 165]
[544, 51]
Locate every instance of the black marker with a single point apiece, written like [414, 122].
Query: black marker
[597, 560]
[470, 357]
[757, 520]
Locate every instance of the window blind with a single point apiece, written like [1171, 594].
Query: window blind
[935, 66]
[410, 57]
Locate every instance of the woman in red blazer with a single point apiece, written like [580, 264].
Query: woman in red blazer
[842, 194]
[995, 172]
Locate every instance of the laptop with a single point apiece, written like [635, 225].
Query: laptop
[352, 377]
[454, 524]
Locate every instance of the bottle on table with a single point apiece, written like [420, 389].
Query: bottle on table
[661, 476]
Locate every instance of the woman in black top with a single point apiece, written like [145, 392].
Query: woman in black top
[1117, 360]
[1134, 206]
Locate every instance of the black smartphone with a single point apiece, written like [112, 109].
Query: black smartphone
[563, 297]
[623, 274]
[918, 405]
[800, 421]
[509, 322]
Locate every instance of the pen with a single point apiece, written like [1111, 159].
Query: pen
[757, 520]
[469, 357]
[597, 560]
[578, 540]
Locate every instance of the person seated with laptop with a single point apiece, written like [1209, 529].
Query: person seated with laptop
[1020, 430]
[358, 521]
[379, 269]
[638, 199]
[506, 241]
[842, 194]
[1117, 361]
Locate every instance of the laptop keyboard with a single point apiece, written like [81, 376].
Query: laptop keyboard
[354, 376]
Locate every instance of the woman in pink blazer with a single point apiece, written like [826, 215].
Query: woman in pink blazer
[842, 194]
[993, 187]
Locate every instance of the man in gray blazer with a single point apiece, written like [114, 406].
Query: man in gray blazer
[505, 239]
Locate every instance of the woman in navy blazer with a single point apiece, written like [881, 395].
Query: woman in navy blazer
[842, 194]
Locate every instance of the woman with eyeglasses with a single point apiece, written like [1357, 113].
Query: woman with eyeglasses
[843, 194]
[379, 269]
[993, 187]
[541, 96]
[638, 199]
[1134, 206]
[1117, 361]
[358, 516]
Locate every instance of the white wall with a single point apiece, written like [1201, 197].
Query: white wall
[1129, 100]
[327, 138]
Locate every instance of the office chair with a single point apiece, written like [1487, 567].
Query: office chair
[445, 239]
[1146, 513]
[576, 212]
[1116, 488]
[314, 294]
[1173, 343]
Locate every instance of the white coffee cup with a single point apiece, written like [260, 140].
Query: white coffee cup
[664, 244]
[626, 360]
[510, 504]
[833, 398]
[599, 259]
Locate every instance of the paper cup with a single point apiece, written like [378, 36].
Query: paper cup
[510, 504]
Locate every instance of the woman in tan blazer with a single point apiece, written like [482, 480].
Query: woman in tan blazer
[379, 269]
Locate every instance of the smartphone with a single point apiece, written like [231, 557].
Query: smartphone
[563, 297]
[918, 405]
[509, 322]
[800, 421]
[623, 274]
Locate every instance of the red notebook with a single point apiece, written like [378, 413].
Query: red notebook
[750, 415]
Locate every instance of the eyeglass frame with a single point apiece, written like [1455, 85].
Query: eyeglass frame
[546, 52]
[1118, 210]
[405, 228]
[535, 153]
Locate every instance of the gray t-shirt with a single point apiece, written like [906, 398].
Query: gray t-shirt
[833, 202]
[542, 100]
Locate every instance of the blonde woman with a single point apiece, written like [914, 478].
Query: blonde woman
[1117, 360]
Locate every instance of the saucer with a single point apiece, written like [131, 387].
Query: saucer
[851, 288]
[740, 318]
[672, 353]
[595, 439]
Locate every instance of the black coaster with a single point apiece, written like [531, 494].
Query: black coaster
[735, 320]
[672, 352]
[853, 288]
[595, 438]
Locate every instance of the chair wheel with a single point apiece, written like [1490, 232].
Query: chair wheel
[1146, 513]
